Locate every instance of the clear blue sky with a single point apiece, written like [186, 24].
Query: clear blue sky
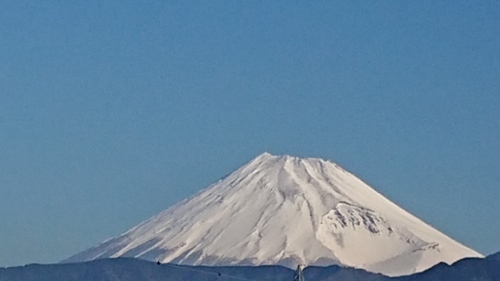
[111, 111]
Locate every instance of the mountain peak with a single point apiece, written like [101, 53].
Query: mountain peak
[287, 210]
[268, 158]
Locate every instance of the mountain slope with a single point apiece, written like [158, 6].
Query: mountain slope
[287, 210]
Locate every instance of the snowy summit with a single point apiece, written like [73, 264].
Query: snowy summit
[287, 210]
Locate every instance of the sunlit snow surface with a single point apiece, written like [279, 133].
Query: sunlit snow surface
[287, 210]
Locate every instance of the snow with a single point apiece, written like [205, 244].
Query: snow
[287, 210]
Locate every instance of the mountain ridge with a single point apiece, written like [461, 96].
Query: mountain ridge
[130, 269]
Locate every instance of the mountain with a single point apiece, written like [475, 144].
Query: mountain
[465, 269]
[129, 269]
[287, 210]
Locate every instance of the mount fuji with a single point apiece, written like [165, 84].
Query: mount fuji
[287, 210]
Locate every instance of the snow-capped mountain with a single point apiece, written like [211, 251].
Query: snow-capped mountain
[287, 210]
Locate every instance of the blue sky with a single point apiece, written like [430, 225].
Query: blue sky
[111, 111]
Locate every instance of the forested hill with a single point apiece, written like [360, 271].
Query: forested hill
[128, 269]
